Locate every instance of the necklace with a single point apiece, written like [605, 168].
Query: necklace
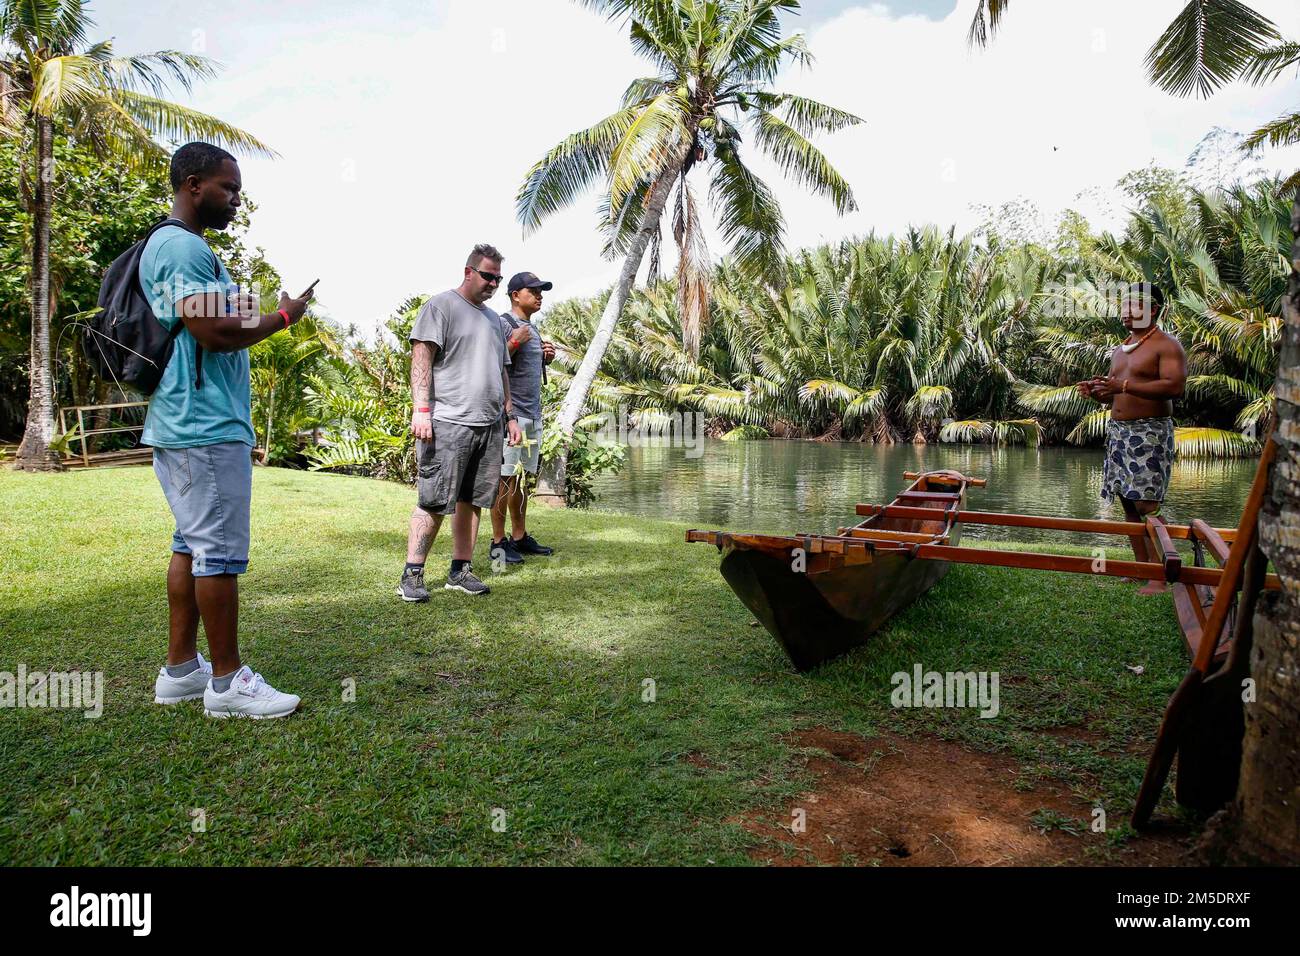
[1135, 345]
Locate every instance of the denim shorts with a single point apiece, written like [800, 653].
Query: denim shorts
[209, 489]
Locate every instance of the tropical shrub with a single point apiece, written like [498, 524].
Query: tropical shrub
[363, 405]
[587, 455]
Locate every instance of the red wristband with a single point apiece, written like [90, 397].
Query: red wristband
[424, 409]
[286, 317]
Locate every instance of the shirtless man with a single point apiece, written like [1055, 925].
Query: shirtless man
[1147, 373]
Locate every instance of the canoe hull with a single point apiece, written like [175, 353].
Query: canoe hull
[822, 595]
[820, 615]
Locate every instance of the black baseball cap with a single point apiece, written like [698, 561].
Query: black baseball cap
[526, 280]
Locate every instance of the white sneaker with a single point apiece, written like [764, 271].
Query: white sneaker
[249, 696]
[173, 690]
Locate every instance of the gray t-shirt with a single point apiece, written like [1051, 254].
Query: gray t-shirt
[525, 370]
[467, 386]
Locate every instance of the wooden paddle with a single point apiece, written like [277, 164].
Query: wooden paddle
[1189, 691]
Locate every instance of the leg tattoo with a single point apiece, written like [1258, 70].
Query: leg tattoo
[424, 529]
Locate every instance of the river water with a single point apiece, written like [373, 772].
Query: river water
[792, 486]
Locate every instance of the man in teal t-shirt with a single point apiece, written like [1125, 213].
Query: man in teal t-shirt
[177, 263]
[200, 426]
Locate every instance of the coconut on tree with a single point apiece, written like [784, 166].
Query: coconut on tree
[55, 81]
[711, 98]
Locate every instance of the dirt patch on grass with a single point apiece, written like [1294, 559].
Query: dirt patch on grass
[698, 760]
[1074, 734]
[901, 801]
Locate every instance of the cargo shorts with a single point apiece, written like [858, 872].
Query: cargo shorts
[460, 463]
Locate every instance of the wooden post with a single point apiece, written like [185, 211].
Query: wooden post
[81, 424]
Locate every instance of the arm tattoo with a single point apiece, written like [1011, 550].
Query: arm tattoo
[421, 373]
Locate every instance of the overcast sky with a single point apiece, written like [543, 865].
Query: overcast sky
[404, 127]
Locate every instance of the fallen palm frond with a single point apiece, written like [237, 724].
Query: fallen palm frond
[1214, 443]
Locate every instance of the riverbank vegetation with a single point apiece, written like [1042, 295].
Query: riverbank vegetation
[936, 336]
[929, 335]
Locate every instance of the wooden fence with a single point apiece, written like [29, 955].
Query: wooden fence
[88, 459]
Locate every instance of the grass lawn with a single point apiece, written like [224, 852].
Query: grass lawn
[529, 700]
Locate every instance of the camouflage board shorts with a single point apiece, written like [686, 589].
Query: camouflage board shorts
[1139, 455]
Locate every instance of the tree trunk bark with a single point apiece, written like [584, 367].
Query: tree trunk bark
[98, 396]
[34, 453]
[576, 397]
[550, 483]
[1267, 808]
[551, 477]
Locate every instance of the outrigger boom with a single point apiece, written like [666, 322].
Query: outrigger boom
[822, 594]
[857, 548]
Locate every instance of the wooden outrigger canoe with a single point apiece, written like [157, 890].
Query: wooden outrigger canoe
[821, 595]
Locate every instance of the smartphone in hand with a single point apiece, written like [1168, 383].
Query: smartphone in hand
[309, 288]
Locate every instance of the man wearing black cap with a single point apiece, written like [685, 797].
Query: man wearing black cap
[528, 357]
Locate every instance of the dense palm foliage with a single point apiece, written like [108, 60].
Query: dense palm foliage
[1209, 44]
[55, 81]
[943, 337]
[1223, 255]
[361, 402]
[716, 62]
[281, 369]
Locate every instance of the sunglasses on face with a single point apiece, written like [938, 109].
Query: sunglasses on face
[490, 277]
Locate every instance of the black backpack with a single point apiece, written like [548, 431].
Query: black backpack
[124, 342]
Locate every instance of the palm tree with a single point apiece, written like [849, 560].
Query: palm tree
[53, 80]
[1264, 812]
[717, 61]
[1209, 44]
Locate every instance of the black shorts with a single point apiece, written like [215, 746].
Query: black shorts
[461, 463]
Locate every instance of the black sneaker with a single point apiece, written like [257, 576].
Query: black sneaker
[467, 582]
[412, 587]
[528, 545]
[505, 550]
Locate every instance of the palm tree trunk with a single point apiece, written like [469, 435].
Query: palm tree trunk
[550, 483]
[576, 397]
[34, 453]
[1267, 809]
